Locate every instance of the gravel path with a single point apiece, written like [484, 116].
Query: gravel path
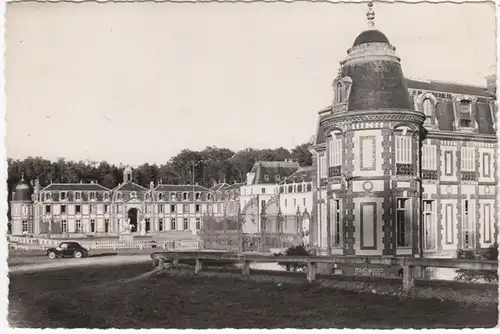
[90, 261]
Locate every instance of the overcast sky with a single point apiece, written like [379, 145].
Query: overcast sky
[138, 82]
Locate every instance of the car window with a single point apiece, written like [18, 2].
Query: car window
[63, 245]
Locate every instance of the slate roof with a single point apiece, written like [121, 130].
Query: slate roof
[447, 87]
[274, 170]
[23, 191]
[378, 84]
[303, 174]
[370, 36]
[130, 186]
[75, 187]
[179, 188]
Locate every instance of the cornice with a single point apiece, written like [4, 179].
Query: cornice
[399, 115]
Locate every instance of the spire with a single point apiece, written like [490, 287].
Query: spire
[370, 15]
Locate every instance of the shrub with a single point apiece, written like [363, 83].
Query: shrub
[489, 254]
[294, 251]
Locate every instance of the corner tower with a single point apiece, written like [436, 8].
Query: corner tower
[367, 152]
[22, 208]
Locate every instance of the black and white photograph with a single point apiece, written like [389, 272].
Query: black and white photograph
[250, 165]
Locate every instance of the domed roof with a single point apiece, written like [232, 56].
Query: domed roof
[22, 192]
[370, 36]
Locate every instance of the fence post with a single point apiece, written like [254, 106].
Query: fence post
[246, 268]
[311, 272]
[198, 266]
[407, 277]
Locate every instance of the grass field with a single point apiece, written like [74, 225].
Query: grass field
[97, 297]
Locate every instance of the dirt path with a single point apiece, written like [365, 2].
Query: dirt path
[90, 261]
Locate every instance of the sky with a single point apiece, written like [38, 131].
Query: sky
[138, 82]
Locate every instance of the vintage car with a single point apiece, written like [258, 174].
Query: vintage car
[68, 249]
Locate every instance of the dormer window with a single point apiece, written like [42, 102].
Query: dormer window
[106, 196]
[92, 195]
[48, 196]
[133, 194]
[341, 87]
[465, 114]
[266, 177]
[339, 92]
[278, 177]
[160, 196]
[173, 197]
[209, 196]
[78, 195]
[119, 196]
[184, 196]
[197, 196]
[63, 195]
[427, 106]
[146, 196]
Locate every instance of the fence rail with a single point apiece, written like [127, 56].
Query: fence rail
[408, 264]
[27, 243]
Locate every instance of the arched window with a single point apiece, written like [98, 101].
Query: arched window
[427, 106]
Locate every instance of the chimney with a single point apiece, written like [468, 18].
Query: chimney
[491, 84]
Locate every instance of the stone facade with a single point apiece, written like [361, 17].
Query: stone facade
[91, 209]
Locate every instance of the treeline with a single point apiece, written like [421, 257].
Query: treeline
[211, 165]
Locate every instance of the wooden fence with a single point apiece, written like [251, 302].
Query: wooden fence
[408, 265]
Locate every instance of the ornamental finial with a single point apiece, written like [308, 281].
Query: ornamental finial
[370, 15]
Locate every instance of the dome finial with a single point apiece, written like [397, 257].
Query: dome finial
[370, 15]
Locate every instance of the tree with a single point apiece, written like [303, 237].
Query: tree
[301, 154]
[490, 254]
[299, 250]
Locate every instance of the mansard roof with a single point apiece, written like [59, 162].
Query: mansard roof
[179, 188]
[274, 170]
[447, 87]
[130, 186]
[75, 187]
[303, 174]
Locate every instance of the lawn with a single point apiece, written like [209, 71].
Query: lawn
[97, 297]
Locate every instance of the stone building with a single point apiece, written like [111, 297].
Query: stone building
[78, 209]
[404, 167]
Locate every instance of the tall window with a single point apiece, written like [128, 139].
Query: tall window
[106, 208]
[64, 226]
[468, 226]
[106, 225]
[160, 196]
[160, 208]
[335, 155]
[403, 222]
[198, 224]
[468, 164]
[185, 208]
[148, 224]
[186, 224]
[337, 233]
[172, 208]
[160, 224]
[63, 208]
[427, 111]
[92, 225]
[403, 155]
[47, 209]
[465, 114]
[323, 172]
[78, 208]
[78, 226]
[429, 225]
[173, 224]
[25, 226]
[429, 157]
[197, 208]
